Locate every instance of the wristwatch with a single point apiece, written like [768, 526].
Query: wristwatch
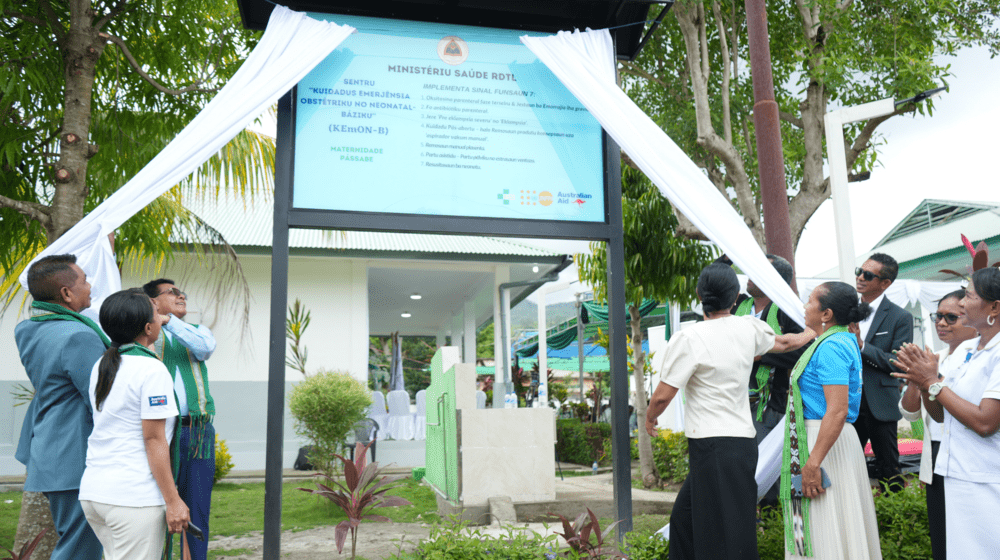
[933, 390]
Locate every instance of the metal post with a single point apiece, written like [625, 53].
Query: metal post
[617, 353]
[773, 186]
[579, 338]
[276, 362]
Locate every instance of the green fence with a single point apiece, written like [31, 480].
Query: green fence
[442, 431]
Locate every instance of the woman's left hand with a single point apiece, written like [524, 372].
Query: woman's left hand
[812, 481]
[919, 366]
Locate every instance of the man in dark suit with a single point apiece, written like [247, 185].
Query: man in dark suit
[886, 329]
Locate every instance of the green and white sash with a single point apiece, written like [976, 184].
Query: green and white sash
[764, 373]
[795, 454]
[42, 311]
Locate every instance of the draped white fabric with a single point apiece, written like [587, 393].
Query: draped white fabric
[584, 63]
[902, 292]
[292, 45]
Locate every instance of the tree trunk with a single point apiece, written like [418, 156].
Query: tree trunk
[647, 468]
[35, 517]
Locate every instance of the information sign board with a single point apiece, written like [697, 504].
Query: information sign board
[433, 119]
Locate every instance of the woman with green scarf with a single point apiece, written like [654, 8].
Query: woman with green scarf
[827, 500]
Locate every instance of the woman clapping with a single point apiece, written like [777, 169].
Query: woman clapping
[967, 402]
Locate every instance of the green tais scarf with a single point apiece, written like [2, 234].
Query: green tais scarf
[795, 454]
[45, 311]
[764, 373]
[201, 406]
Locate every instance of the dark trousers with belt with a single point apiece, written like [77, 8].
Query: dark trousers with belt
[935, 509]
[715, 513]
[194, 484]
[885, 446]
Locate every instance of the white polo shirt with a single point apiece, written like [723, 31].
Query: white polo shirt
[117, 470]
[964, 454]
[712, 361]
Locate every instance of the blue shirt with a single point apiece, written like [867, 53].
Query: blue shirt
[837, 361]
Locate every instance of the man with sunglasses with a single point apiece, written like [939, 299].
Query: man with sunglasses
[184, 348]
[884, 331]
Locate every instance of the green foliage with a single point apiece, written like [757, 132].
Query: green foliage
[223, 460]
[460, 542]
[325, 407]
[417, 353]
[484, 342]
[658, 264]
[646, 545]
[361, 492]
[27, 549]
[295, 328]
[51, 52]
[670, 454]
[771, 534]
[902, 523]
[582, 443]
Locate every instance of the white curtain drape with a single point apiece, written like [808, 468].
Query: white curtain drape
[901, 292]
[584, 62]
[292, 45]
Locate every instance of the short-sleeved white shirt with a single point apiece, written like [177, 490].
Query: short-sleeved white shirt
[117, 470]
[964, 454]
[712, 361]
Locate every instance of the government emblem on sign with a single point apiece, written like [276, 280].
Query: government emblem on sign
[453, 50]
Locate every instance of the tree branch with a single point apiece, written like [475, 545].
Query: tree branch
[634, 70]
[116, 10]
[33, 210]
[790, 119]
[25, 17]
[861, 141]
[135, 65]
[54, 22]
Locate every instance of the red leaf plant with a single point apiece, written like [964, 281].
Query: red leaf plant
[359, 494]
[980, 258]
[577, 535]
[27, 549]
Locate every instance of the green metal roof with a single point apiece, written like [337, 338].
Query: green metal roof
[933, 213]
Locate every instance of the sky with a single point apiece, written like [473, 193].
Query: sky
[945, 156]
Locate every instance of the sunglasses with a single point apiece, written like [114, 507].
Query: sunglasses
[949, 318]
[174, 291]
[868, 275]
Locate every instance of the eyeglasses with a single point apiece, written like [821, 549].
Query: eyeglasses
[174, 291]
[949, 318]
[869, 275]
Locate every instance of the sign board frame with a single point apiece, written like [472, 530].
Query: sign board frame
[287, 217]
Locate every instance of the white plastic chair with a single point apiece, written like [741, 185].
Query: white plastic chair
[400, 423]
[480, 399]
[420, 418]
[378, 413]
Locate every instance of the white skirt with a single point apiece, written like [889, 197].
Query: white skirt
[842, 521]
[971, 513]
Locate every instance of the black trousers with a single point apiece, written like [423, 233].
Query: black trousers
[935, 509]
[884, 445]
[715, 514]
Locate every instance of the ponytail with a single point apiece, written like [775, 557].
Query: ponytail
[106, 372]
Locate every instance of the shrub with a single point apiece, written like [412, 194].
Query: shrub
[646, 545]
[223, 460]
[581, 443]
[459, 542]
[325, 407]
[670, 455]
[902, 523]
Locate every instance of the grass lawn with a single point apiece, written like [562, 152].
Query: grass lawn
[8, 516]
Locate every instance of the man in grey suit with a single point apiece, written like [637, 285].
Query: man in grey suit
[885, 330]
[58, 348]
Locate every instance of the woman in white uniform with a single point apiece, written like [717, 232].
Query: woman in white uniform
[715, 514]
[952, 331]
[127, 491]
[967, 402]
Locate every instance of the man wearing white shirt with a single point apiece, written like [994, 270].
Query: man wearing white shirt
[885, 330]
[184, 348]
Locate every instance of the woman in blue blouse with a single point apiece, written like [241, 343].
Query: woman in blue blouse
[836, 522]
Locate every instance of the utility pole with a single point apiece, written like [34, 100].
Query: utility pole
[770, 160]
